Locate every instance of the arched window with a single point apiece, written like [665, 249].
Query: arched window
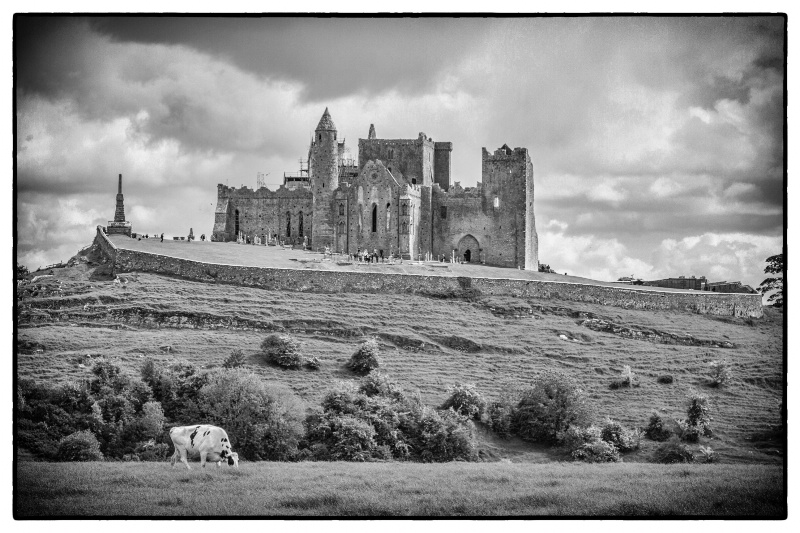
[300, 224]
[341, 209]
[374, 218]
[404, 227]
[288, 223]
[320, 137]
[236, 223]
[404, 210]
[388, 216]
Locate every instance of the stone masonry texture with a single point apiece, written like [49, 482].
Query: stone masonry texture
[325, 281]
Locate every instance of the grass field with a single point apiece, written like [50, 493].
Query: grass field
[404, 489]
[427, 344]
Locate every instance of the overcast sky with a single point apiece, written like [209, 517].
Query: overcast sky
[657, 143]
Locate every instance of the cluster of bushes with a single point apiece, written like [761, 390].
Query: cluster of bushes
[285, 351]
[674, 433]
[377, 420]
[627, 378]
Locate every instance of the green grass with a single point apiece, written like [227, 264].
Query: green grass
[398, 489]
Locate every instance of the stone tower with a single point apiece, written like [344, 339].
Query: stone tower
[119, 225]
[119, 213]
[324, 180]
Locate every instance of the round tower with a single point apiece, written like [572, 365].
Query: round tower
[324, 180]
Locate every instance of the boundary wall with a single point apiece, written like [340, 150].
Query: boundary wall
[327, 281]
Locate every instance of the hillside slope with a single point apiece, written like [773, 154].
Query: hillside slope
[81, 312]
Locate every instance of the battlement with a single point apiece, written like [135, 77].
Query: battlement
[223, 191]
[504, 153]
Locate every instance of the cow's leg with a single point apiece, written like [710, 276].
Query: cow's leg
[174, 458]
[203, 459]
[183, 459]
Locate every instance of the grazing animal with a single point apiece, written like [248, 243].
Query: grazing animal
[209, 442]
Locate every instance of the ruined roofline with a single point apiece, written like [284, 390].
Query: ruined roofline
[264, 192]
[500, 153]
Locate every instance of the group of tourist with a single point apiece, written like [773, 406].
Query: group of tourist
[376, 256]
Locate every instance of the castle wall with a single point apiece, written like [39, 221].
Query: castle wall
[263, 212]
[326, 281]
[441, 164]
[413, 157]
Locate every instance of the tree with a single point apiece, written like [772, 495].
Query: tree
[22, 271]
[775, 265]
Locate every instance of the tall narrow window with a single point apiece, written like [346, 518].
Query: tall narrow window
[443, 211]
[374, 218]
[300, 224]
[404, 210]
[288, 223]
[388, 215]
[236, 223]
[341, 209]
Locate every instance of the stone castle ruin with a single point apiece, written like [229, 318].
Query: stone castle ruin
[396, 199]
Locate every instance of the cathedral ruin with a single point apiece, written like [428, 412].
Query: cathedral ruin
[397, 199]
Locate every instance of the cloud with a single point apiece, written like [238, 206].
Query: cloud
[642, 131]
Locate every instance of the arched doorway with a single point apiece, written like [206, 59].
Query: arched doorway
[469, 250]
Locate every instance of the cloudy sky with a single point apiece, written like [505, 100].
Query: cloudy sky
[657, 143]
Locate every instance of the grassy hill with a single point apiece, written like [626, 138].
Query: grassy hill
[428, 344]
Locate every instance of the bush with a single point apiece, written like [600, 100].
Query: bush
[627, 379]
[282, 350]
[656, 430]
[553, 404]
[365, 359]
[575, 437]
[234, 360]
[720, 372]
[666, 379]
[698, 421]
[352, 439]
[624, 439]
[152, 451]
[465, 400]
[262, 420]
[79, 446]
[380, 384]
[313, 363]
[598, 451]
[673, 451]
[499, 416]
[709, 455]
[441, 436]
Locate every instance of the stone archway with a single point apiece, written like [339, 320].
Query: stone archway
[469, 249]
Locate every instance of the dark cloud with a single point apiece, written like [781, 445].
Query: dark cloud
[329, 57]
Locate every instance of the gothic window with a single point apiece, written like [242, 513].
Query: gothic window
[236, 223]
[404, 227]
[300, 224]
[388, 215]
[374, 218]
[288, 223]
[341, 209]
[391, 153]
[404, 211]
[320, 137]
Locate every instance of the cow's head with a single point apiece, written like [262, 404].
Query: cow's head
[233, 459]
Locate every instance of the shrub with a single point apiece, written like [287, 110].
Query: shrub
[553, 404]
[365, 359]
[656, 430]
[441, 436]
[380, 384]
[627, 378]
[698, 421]
[282, 350]
[598, 451]
[673, 451]
[313, 363]
[152, 451]
[263, 421]
[79, 446]
[666, 379]
[709, 455]
[499, 417]
[465, 400]
[352, 439]
[720, 372]
[234, 360]
[575, 437]
[624, 439]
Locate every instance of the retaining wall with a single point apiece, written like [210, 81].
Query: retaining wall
[326, 281]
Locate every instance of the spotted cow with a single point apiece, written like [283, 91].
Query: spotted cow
[210, 443]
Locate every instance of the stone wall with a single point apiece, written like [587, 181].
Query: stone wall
[324, 281]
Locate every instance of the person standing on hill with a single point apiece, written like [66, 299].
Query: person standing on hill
[162, 237]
